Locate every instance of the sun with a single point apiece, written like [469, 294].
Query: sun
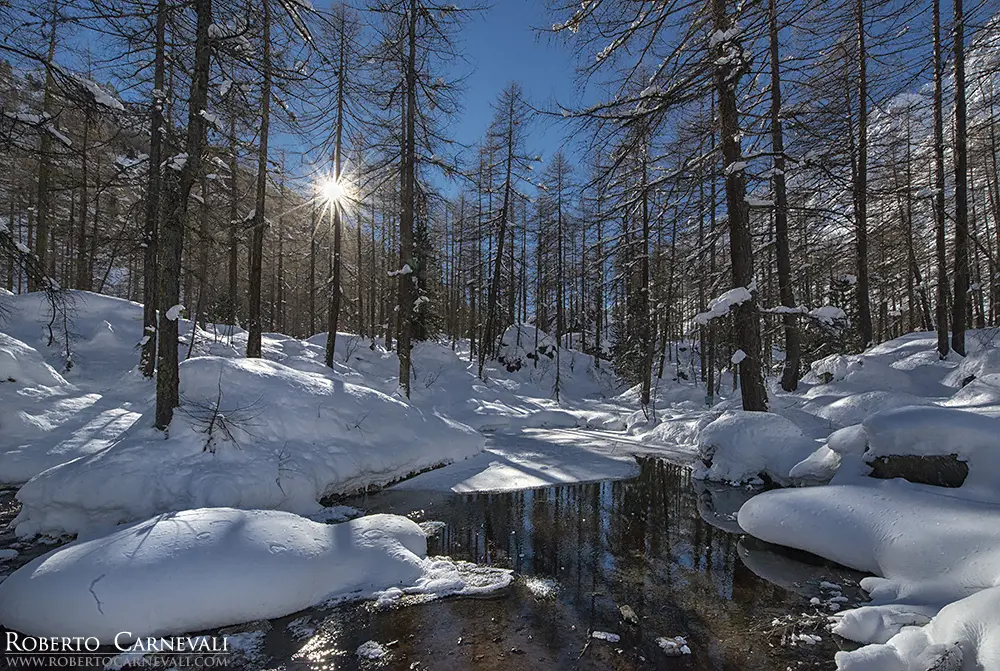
[333, 191]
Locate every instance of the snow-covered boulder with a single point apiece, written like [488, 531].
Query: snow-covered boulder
[201, 569]
[743, 446]
[524, 345]
[975, 365]
[250, 433]
[841, 455]
[931, 435]
[860, 373]
[924, 548]
[854, 408]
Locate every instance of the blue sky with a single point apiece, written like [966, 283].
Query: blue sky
[503, 45]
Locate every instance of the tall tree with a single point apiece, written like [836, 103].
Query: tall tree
[941, 304]
[790, 371]
[730, 66]
[861, 183]
[960, 305]
[259, 221]
[185, 169]
[151, 214]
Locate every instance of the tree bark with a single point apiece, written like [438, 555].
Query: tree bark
[172, 228]
[407, 202]
[746, 321]
[147, 356]
[861, 185]
[941, 307]
[961, 300]
[260, 202]
[790, 370]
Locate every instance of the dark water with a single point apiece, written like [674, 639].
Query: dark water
[659, 544]
[640, 543]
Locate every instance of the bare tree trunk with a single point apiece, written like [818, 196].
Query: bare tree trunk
[941, 308]
[790, 371]
[172, 229]
[234, 224]
[84, 281]
[333, 312]
[407, 201]
[745, 320]
[147, 358]
[960, 304]
[260, 202]
[488, 345]
[643, 311]
[861, 184]
[43, 201]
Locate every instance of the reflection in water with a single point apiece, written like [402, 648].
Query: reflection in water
[640, 543]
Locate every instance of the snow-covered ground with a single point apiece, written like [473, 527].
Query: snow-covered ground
[277, 433]
[283, 432]
[211, 567]
[908, 491]
[215, 502]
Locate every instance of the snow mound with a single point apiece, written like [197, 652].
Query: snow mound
[281, 439]
[208, 568]
[746, 446]
[854, 408]
[860, 373]
[926, 548]
[977, 364]
[964, 635]
[21, 366]
[938, 431]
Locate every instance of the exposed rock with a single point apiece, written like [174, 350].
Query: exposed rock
[938, 470]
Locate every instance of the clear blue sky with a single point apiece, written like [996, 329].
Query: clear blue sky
[502, 45]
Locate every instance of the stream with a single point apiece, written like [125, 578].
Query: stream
[661, 544]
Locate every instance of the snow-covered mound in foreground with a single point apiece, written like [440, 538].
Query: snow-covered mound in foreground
[965, 635]
[207, 568]
[926, 548]
[748, 446]
[250, 434]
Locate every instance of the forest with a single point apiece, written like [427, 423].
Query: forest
[760, 240]
[303, 164]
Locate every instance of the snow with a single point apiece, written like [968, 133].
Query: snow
[371, 650]
[315, 435]
[673, 646]
[743, 446]
[208, 568]
[174, 313]
[721, 305]
[177, 162]
[101, 97]
[605, 636]
[926, 431]
[738, 357]
[828, 314]
[532, 458]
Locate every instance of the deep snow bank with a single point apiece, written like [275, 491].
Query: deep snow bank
[929, 551]
[745, 446]
[250, 433]
[200, 569]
